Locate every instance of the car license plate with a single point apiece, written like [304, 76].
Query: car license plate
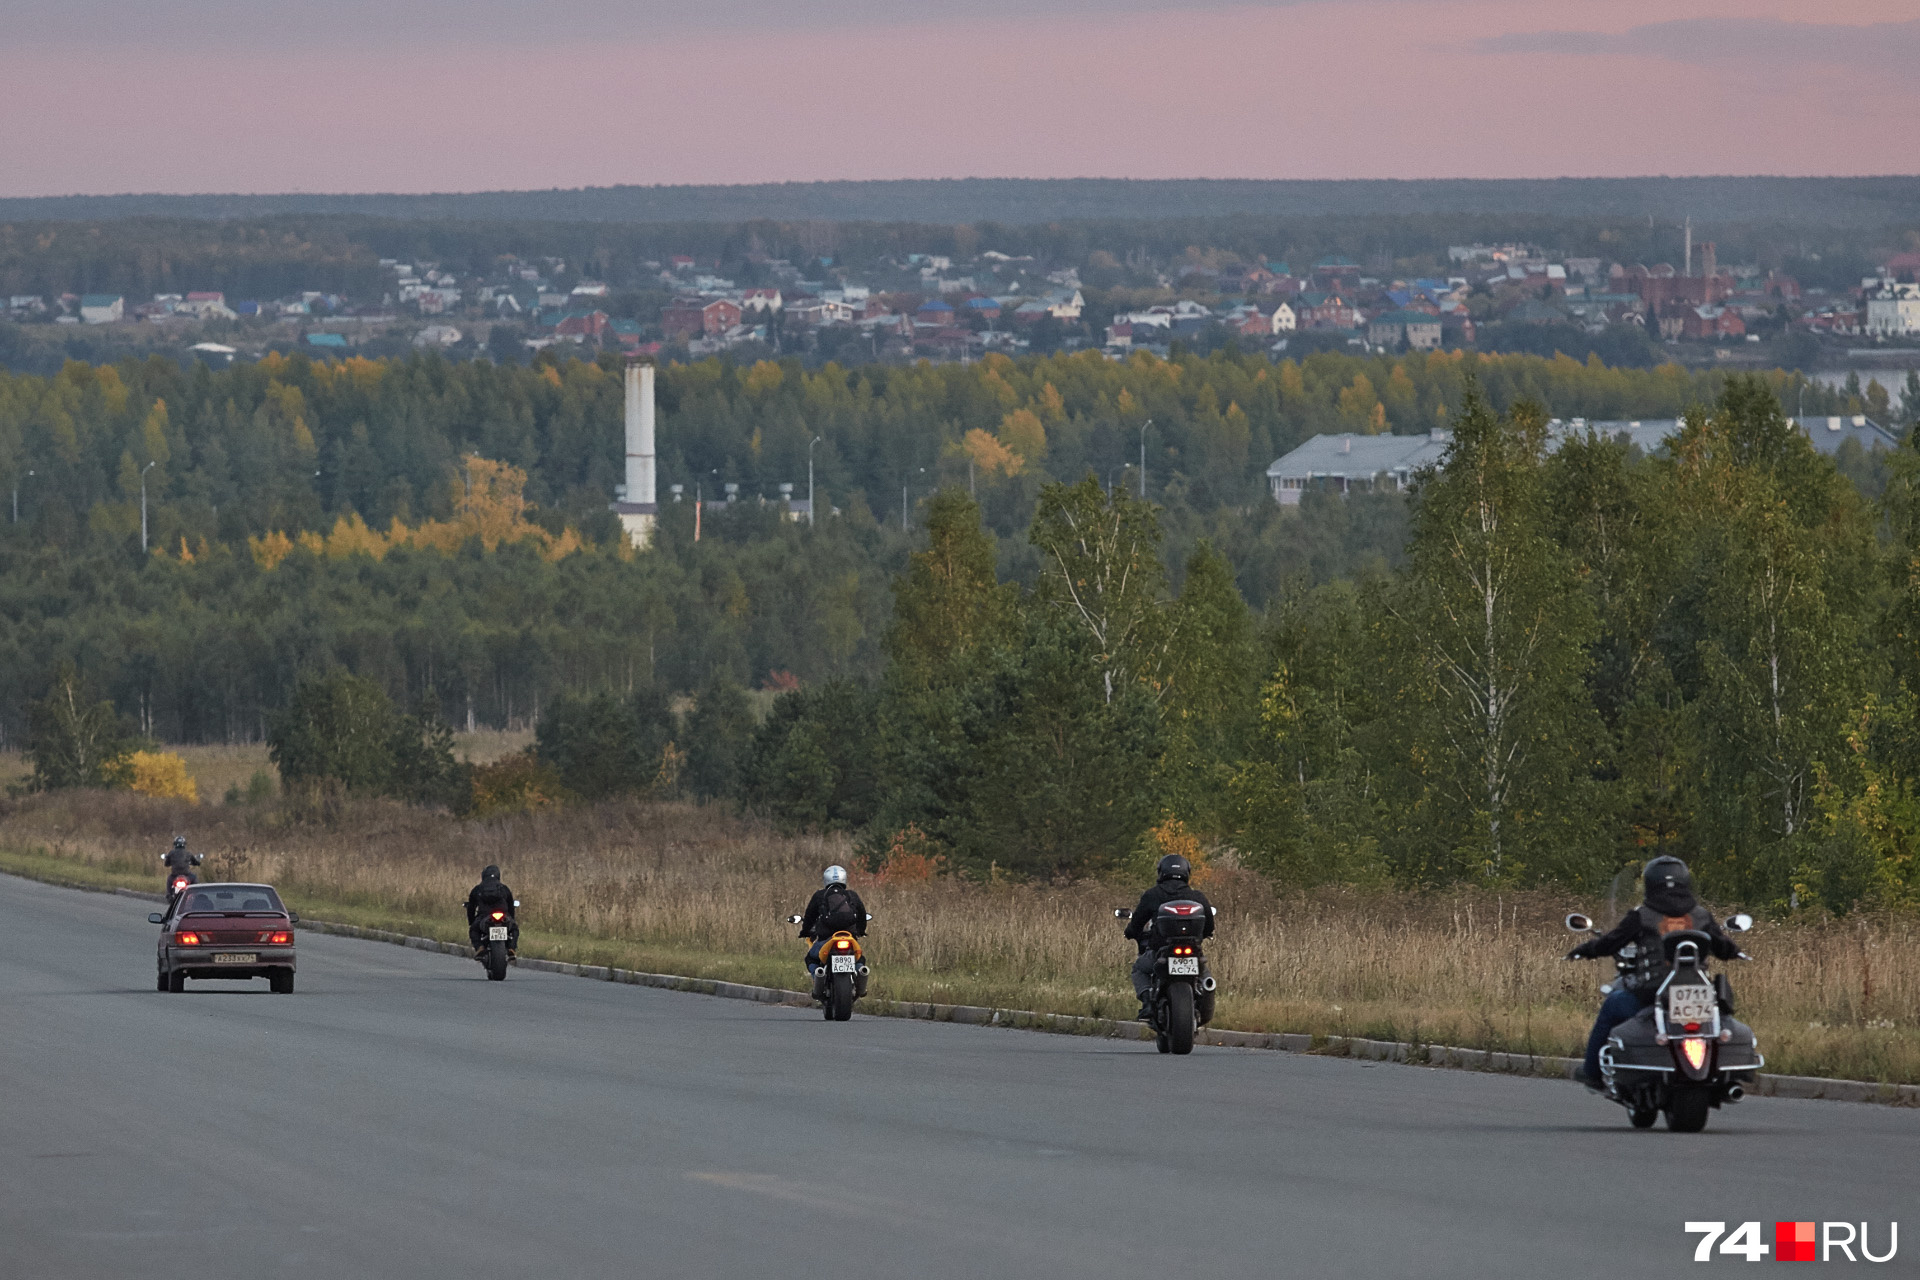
[236, 957]
[845, 964]
[497, 933]
[1184, 966]
[1690, 1004]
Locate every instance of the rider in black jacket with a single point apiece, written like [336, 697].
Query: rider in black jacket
[489, 895]
[1668, 906]
[832, 908]
[1173, 872]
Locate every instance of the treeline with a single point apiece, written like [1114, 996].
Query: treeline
[1589, 658]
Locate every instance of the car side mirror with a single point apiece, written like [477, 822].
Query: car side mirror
[1739, 922]
[293, 917]
[154, 917]
[1579, 923]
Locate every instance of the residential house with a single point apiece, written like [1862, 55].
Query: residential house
[935, 314]
[102, 308]
[683, 318]
[719, 316]
[581, 326]
[205, 306]
[984, 307]
[1065, 304]
[1284, 319]
[1710, 324]
[327, 341]
[1419, 330]
[1893, 309]
[1332, 312]
[437, 335]
[762, 302]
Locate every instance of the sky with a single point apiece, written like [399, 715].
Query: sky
[109, 96]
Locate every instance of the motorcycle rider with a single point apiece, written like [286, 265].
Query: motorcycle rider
[1173, 872]
[833, 908]
[178, 861]
[1667, 906]
[487, 896]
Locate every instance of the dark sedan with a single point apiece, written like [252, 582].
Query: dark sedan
[226, 931]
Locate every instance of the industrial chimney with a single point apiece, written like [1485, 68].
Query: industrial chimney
[636, 506]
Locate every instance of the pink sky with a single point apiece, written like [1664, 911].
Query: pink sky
[1049, 88]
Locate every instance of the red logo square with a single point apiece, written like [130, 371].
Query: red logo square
[1794, 1241]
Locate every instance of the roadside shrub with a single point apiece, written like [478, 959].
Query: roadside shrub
[516, 784]
[718, 737]
[162, 774]
[811, 764]
[341, 730]
[603, 745]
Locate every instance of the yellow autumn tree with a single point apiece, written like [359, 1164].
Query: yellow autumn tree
[163, 774]
[988, 456]
[1022, 432]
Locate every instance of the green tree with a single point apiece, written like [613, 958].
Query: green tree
[811, 766]
[338, 728]
[1497, 634]
[719, 734]
[1212, 690]
[1102, 572]
[603, 745]
[76, 740]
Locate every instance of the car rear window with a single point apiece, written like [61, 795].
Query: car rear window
[239, 897]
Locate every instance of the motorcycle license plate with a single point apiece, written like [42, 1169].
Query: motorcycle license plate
[1690, 1004]
[236, 957]
[845, 964]
[1184, 966]
[497, 933]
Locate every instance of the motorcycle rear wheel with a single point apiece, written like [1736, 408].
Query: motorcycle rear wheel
[840, 1002]
[1180, 1023]
[496, 962]
[1687, 1109]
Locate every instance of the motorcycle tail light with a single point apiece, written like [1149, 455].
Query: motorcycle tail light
[1693, 1026]
[843, 944]
[186, 939]
[1695, 1052]
[499, 915]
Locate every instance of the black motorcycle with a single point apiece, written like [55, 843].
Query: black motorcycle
[1181, 992]
[495, 934]
[180, 878]
[1684, 1054]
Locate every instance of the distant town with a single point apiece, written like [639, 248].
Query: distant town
[945, 308]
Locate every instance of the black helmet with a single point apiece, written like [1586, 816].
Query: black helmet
[491, 873]
[179, 842]
[1668, 885]
[1173, 867]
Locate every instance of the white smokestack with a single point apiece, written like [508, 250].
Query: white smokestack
[640, 460]
[636, 507]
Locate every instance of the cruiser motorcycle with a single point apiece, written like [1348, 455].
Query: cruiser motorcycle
[1684, 1054]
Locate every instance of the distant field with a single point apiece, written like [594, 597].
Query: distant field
[1820, 201]
[685, 889]
[217, 768]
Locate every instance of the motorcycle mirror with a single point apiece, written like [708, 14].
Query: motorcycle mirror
[154, 917]
[869, 915]
[516, 902]
[793, 919]
[1579, 923]
[1213, 910]
[1739, 922]
[1121, 913]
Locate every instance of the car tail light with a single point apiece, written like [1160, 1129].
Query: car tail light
[278, 938]
[186, 939]
[1696, 1053]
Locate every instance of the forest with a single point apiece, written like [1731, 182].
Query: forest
[1540, 666]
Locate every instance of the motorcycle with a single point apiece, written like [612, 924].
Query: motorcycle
[1684, 1054]
[498, 948]
[179, 879]
[1181, 992]
[840, 977]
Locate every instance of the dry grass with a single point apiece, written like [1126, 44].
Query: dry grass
[679, 888]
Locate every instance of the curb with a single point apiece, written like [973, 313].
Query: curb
[1429, 1055]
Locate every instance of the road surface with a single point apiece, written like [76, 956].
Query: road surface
[399, 1116]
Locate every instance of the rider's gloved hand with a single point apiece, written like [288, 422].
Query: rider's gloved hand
[1574, 954]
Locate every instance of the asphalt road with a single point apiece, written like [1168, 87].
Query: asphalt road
[399, 1116]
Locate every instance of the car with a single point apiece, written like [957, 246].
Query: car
[226, 931]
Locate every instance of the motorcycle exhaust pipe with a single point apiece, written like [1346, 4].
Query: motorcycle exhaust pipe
[1206, 983]
[1735, 1093]
[864, 971]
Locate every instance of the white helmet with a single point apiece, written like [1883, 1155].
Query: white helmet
[833, 875]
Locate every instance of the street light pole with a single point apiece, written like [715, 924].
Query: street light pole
[16, 497]
[1143, 458]
[903, 497]
[810, 509]
[143, 505]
